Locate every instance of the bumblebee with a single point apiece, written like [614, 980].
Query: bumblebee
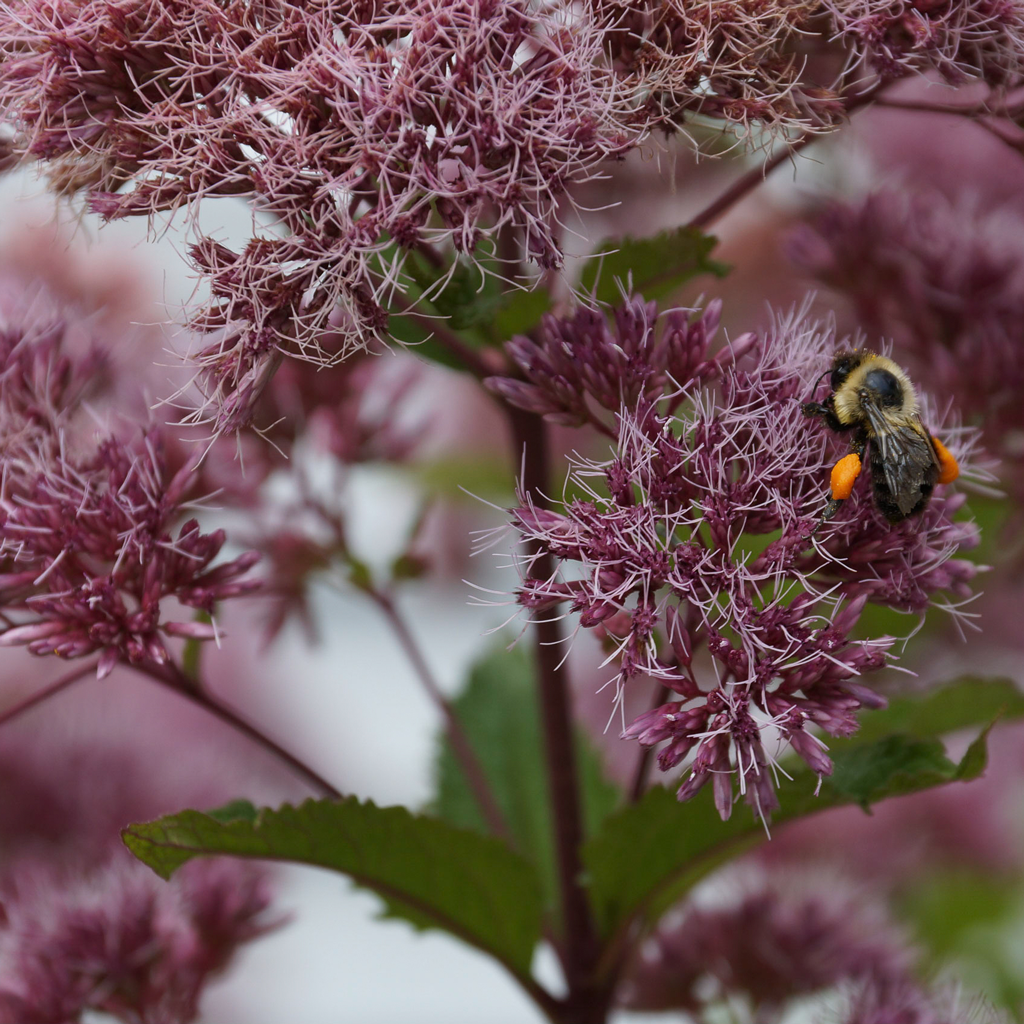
[873, 397]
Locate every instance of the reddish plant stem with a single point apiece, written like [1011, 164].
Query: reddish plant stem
[481, 364]
[171, 676]
[462, 748]
[972, 110]
[580, 948]
[757, 175]
[646, 756]
[48, 691]
[747, 183]
[997, 121]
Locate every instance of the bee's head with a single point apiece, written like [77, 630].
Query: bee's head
[843, 364]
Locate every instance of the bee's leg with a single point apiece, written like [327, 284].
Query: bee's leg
[826, 412]
[814, 409]
[948, 468]
[844, 476]
[833, 506]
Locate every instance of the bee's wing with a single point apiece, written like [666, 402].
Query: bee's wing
[907, 454]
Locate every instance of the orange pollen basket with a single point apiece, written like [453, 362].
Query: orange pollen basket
[844, 476]
[948, 468]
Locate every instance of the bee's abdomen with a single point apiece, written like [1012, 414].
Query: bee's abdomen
[917, 490]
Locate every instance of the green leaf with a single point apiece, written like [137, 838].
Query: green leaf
[519, 311]
[975, 760]
[358, 573]
[881, 620]
[419, 336]
[658, 265]
[893, 766]
[192, 652]
[405, 329]
[407, 567]
[498, 709]
[465, 298]
[970, 920]
[647, 856]
[468, 478]
[965, 703]
[469, 298]
[427, 872]
[473, 303]
[408, 331]
[993, 517]
[419, 332]
[945, 906]
[236, 810]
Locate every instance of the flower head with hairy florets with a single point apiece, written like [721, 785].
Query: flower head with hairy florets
[745, 62]
[771, 940]
[697, 534]
[368, 131]
[91, 539]
[576, 364]
[961, 39]
[881, 1001]
[50, 363]
[393, 144]
[116, 939]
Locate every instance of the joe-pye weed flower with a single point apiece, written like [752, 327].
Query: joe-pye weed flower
[697, 534]
[413, 166]
[93, 535]
[367, 132]
[396, 146]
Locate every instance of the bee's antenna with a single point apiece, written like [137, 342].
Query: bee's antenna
[818, 381]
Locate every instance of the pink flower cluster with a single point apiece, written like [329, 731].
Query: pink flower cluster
[961, 39]
[91, 534]
[368, 131]
[696, 536]
[772, 941]
[750, 63]
[114, 939]
[85, 927]
[393, 143]
[573, 365]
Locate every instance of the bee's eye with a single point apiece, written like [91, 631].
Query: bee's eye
[885, 386]
[839, 374]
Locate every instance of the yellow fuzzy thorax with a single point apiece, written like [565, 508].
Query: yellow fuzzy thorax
[847, 402]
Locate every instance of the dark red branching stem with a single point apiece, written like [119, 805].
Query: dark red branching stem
[172, 677]
[756, 176]
[1000, 122]
[48, 691]
[481, 364]
[580, 946]
[748, 182]
[646, 756]
[463, 750]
